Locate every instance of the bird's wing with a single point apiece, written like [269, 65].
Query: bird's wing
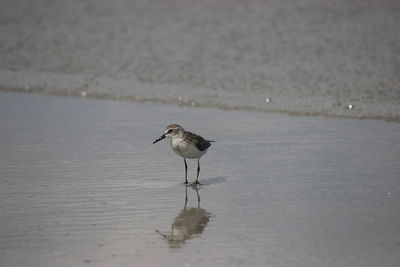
[200, 142]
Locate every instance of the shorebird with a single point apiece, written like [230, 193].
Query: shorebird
[187, 145]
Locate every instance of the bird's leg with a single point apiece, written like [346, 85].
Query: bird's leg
[186, 199]
[198, 198]
[198, 171]
[186, 181]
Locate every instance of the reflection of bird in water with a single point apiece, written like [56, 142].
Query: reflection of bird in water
[189, 222]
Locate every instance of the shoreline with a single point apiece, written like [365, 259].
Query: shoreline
[182, 102]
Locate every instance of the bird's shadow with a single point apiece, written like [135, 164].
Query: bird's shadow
[215, 180]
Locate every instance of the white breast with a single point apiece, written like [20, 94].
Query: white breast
[185, 149]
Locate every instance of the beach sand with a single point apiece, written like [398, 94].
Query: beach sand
[81, 184]
[335, 58]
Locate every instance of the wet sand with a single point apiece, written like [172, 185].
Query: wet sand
[82, 185]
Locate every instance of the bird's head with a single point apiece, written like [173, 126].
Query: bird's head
[172, 130]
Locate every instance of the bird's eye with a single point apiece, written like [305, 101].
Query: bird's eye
[169, 131]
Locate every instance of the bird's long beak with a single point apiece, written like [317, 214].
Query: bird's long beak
[159, 139]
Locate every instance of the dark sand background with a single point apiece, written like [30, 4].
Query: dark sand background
[305, 56]
[81, 184]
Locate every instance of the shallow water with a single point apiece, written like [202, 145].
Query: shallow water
[335, 58]
[82, 184]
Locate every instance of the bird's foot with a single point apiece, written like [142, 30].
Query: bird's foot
[195, 184]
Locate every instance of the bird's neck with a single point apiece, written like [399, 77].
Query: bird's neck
[181, 134]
